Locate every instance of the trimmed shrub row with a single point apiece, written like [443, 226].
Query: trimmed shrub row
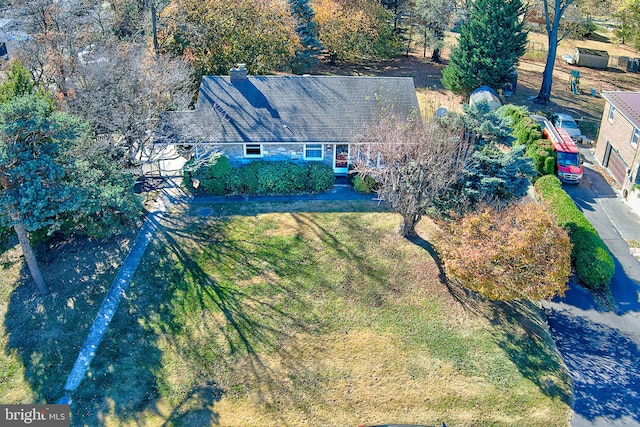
[527, 132]
[260, 178]
[593, 262]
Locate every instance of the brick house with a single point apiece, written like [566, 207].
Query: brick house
[295, 118]
[617, 148]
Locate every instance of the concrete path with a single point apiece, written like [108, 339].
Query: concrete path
[602, 349]
[170, 195]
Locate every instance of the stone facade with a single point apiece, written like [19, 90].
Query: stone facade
[275, 152]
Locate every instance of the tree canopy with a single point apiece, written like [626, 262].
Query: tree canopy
[52, 177]
[215, 35]
[628, 17]
[352, 29]
[497, 173]
[33, 192]
[434, 17]
[491, 43]
[307, 31]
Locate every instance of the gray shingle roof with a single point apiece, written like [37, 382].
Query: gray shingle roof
[288, 108]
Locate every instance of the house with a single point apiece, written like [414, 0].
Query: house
[296, 118]
[617, 146]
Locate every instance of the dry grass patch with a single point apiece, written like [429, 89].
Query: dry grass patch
[40, 336]
[314, 316]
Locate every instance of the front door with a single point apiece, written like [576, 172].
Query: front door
[340, 158]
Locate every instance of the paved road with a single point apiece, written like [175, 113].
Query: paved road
[602, 349]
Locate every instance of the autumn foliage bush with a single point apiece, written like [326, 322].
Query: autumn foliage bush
[517, 253]
[593, 262]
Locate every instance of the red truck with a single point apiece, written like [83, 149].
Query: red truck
[568, 164]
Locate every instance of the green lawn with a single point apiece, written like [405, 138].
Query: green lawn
[305, 316]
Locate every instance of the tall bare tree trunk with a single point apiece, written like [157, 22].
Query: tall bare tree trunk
[29, 256]
[154, 29]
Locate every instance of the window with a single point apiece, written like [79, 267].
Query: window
[568, 159]
[253, 150]
[612, 111]
[313, 152]
[635, 137]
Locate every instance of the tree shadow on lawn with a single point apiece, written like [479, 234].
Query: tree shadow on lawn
[604, 365]
[530, 348]
[467, 299]
[47, 332]
[220, 331]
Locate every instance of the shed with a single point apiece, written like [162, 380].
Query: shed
[592, 58]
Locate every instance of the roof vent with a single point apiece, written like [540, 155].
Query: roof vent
[238, 74]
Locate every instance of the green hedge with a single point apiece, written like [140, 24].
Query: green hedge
[260, 178]
[364, 185]
[321, 178]
[213, 177]
[523, 128]
[542, 155]
[593, 262]
[527, 132]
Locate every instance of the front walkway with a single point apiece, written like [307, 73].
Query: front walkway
[170, 195]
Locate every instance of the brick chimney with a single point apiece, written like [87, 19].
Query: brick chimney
[238, 74]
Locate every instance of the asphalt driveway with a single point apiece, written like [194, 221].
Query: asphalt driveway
[602, 349]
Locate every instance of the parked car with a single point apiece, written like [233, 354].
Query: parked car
[566, 122]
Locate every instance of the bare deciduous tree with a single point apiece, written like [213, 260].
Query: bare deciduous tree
[413, 162]
[123, 88]
[119, 87]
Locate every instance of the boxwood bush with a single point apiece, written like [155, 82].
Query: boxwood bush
[364, 184]
[321, 178]
[593, 262]
[261, 177]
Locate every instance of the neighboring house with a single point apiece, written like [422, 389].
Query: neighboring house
[296, 118]
[617, 147]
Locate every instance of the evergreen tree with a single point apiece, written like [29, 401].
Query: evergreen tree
[18, 82]
[495, 174]
[51, 176]
[307, 31]
[33, 191]
[491, 42]
[306, 27]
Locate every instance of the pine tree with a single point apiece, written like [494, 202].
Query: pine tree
[307, 31]
[490, 45]
[33, 191]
